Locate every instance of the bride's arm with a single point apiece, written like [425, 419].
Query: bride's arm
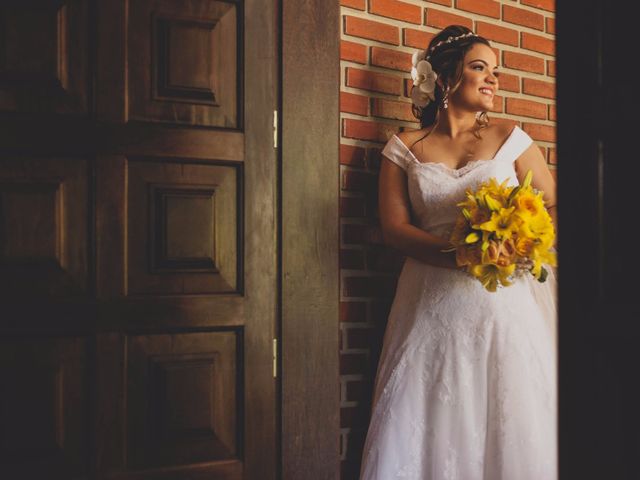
[395, 221]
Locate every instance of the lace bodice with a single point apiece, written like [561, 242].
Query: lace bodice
[435, 189]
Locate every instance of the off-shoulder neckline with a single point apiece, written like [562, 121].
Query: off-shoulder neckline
[464, 168]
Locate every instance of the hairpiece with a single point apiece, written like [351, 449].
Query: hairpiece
[449, 40]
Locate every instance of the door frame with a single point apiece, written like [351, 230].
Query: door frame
[309, 126]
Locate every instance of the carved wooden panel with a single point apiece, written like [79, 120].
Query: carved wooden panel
[43, 56]
[43, 408]
[183, 403]
[43, 226]
[192, 76]
[183, 228]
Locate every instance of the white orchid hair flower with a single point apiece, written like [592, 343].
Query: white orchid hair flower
[424, 81]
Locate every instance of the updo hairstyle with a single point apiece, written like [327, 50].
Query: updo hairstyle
[447, 61]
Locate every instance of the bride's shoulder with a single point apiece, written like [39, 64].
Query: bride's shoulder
[409, 137]
[501, 130]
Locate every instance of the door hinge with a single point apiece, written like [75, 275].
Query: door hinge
[275, 129]
[275, 358]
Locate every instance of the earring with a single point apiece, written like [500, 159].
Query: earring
[445, 99]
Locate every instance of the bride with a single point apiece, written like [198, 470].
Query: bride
[466, 383]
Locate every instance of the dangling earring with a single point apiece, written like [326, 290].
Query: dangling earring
[445, 99]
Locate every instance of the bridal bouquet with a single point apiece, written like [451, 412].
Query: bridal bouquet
[503, 232]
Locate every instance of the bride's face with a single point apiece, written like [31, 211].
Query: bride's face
[479, 82]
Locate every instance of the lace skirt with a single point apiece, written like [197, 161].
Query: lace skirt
[466, 384]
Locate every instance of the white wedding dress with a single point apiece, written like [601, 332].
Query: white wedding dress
[466, 382]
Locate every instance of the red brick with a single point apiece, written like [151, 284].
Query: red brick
[352, 103]
[551, 68]
[538, 43]
[505, 35]
[371, 131]
[353, 234]
[351, 155]
[351, 207]
[352, 259]
[408, 85]
[526, 108]
[446, 3]
[373, 235]
[520, 16]
[353, 363]
[539, 88]
[359, 4]
[521, 61]
[353, 52]
[353, 312]
[543, 150]
[505, 121]
[509, 82]
[394, 59]
[357, 180]
[551, 25]
[359, 286]
[552, 113]
[381, 107]
[441, 19]
[356, 287]
[358, 337]
[358, 390]
[489, 8]
[353, 417]
[496, 52]
[382, 32]
[416, 38]
[397, 10]
[374, 81]
[543, 133]
[384, 260]
[373, 158]
[549, 5]
[498, 104]
[553, 159]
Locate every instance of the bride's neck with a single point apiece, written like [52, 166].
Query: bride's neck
[452, 124]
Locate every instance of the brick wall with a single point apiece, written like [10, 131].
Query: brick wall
[377, 40]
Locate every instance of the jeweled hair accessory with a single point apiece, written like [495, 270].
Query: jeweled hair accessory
[450, 40]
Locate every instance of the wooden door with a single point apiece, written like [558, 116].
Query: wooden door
[598, 107]
[138, 227]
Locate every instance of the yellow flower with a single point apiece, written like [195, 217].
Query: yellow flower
[528, 204]
[500, 226]
[501, 223]
[490, 275]
[524, 245]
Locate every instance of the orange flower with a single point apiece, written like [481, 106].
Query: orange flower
[524, 246]
[468, 255]
[500, 253]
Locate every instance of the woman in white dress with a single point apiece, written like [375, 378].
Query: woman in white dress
[466, 383]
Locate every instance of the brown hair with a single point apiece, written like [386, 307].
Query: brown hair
[446, 60]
